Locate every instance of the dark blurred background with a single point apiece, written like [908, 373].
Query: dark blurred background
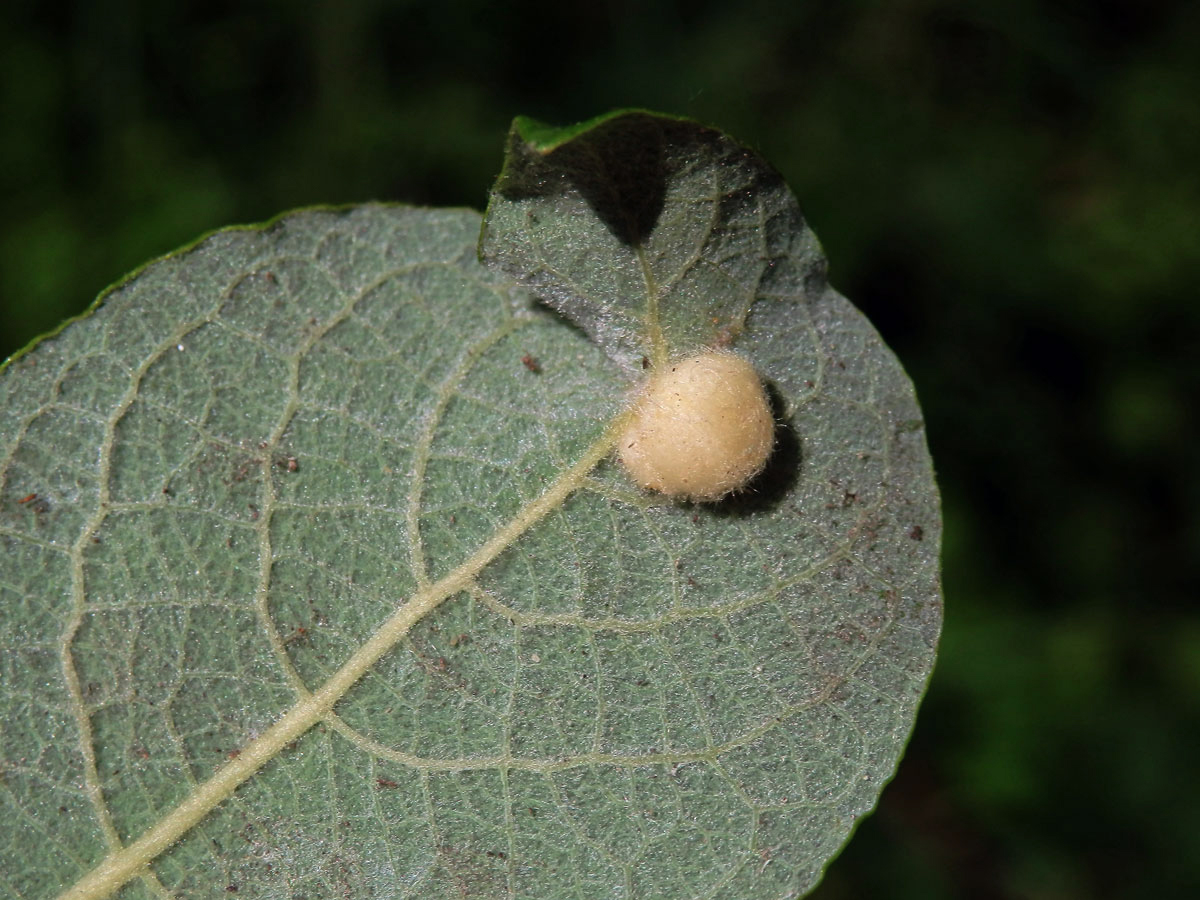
[1008, 188]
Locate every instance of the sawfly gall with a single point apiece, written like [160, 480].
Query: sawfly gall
[700, 428]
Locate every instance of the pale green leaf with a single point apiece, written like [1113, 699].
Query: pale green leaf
[260, 466]
[654, 234]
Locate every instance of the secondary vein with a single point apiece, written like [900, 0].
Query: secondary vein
[132, 860]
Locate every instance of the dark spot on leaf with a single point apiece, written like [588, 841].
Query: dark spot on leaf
[531, 364]
[916, 532]
[244, 470]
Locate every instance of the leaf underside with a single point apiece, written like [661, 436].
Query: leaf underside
[216, 486]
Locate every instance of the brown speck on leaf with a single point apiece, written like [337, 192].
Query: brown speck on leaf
[916, 532]
[288, 463]
[28, 498]
[387, 783]
[531, 364]
[231, 888]
[460, 639]
[253, 512]
[645, 362]
[846, 634]
[726, 335]
[243, 471]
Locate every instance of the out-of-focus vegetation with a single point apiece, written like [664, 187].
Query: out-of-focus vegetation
[1009, 188]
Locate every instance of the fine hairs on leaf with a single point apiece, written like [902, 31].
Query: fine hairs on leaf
[700, 428]
[334, 563]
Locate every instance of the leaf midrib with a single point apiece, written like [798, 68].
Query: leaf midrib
[122, 865]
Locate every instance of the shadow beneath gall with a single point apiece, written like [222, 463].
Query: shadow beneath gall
[775, 482]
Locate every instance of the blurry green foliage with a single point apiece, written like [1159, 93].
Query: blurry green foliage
[1008, 189]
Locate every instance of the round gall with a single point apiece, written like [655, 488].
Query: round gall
[700, 428]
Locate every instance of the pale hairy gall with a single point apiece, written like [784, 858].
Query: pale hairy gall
[700, 428]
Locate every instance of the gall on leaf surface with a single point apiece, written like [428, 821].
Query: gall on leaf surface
[253, 455]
